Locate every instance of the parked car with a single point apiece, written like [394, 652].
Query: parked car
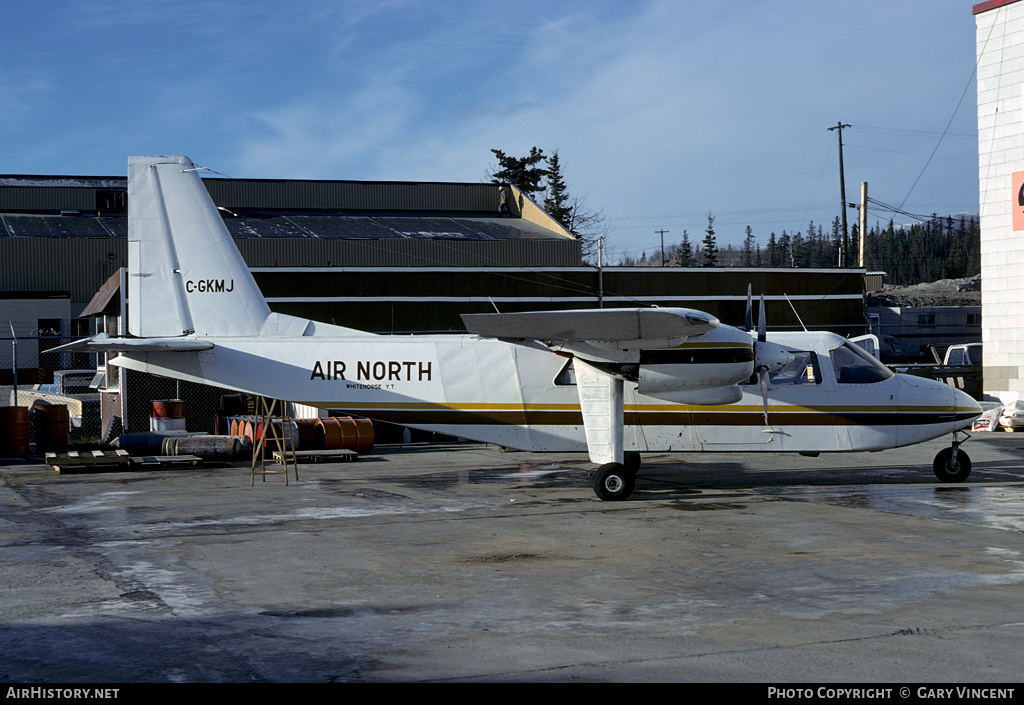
[1011, 418]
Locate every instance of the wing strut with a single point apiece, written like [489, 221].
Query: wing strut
[601, 400]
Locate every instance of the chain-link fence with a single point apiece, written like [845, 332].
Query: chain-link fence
[103, 401]
[33, 377]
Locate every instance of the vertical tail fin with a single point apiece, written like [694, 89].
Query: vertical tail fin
[185, 274]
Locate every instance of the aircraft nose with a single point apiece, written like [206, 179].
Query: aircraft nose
[964, 403]
[931, 392]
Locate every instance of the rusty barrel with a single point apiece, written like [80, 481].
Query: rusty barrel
[167, 415]
[345, 432]
[307, 433]
[13, 431]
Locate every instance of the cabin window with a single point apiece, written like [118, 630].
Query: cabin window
[854, 365]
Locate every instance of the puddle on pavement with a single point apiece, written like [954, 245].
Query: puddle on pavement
[1000, 507]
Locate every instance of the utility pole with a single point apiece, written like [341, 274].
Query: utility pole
[863, 218]
[842, 193]
[662, 233]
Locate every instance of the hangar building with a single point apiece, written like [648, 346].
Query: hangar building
[1000, 56]
[377, 256]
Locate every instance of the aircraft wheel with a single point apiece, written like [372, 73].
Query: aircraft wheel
[947, 471]
[614, 482]
[632, 461]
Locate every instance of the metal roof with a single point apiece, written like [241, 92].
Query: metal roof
[40, 206]
[365, 227]
[15, 225]
[376, 227]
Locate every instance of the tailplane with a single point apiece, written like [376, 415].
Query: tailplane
[185, 274]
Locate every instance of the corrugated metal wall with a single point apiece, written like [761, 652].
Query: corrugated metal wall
[47, 198]
[81, 265]
[418, 299]
[290, 252]
[77, 265]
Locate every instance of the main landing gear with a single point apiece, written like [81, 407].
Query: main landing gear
[952, 464]
[616, 481]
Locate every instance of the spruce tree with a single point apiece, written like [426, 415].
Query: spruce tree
[710, 247]
[556, 202]
[522, 172]
[749, 245]
[686, 258]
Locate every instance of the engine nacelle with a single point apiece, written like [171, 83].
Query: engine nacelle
[655, 379]
[703, 397]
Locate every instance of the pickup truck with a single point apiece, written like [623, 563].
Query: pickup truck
[71, 388]
[963, 354]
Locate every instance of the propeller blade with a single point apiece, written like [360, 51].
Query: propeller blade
[749, 320]
[762, 324]
[762, 375]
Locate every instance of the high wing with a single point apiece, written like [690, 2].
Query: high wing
[625, 328]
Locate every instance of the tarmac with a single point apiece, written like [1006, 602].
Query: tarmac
[462, 563]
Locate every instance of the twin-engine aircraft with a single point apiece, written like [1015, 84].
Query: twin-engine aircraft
[612, 382]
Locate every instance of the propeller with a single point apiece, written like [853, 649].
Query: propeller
[767, 356]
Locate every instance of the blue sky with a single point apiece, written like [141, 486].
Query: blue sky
[661, 110]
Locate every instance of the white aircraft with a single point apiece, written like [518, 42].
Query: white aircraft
[612, 382]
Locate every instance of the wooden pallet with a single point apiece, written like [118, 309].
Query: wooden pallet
[113, 461]
[89, 461]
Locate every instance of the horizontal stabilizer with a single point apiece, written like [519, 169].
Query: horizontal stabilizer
[647, 327]
[104, 343]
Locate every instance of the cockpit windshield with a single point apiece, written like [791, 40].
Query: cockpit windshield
[854, 365]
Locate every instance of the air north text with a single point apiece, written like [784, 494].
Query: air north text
[374, 370]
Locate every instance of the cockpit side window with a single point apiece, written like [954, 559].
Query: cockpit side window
[803, 369]
[854, 365]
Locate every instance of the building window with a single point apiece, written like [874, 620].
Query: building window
[111, 200]
[926, 319]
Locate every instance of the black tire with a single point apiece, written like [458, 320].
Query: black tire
[613, 482]
[946, 471]
[632, 461]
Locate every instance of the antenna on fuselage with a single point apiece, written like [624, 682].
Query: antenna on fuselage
[795, 313]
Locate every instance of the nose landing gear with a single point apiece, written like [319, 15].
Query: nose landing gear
[952, 464]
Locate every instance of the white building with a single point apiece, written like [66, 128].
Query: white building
[1000, 54]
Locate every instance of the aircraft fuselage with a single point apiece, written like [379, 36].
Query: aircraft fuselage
[524, 396]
